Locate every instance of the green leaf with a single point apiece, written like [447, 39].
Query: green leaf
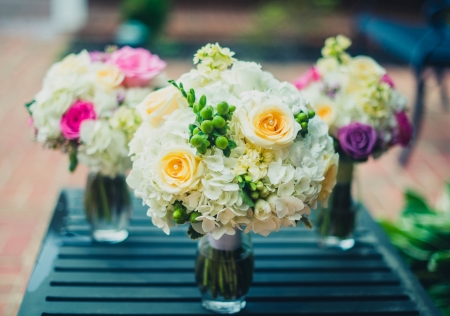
[232, 144]
[440, 261]
[73, 161]
[415, 203]
[247, 199]
[193, 234]
[306, 222]
[216, 133]
[27, 105]
[192, 127]
[227, 152]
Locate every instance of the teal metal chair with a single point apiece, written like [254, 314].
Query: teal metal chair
[422, 46]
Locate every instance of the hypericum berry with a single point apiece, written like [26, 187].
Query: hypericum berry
[207, 127]
[197, 141]
[193, 217]
[311, 114]
[219, 122]
[177, 214]
[232, 108]
[221, 131]
[196, 131]
[221, 142]
[302, 117]
[304, 125]
[202, 149]
[206, 113]
[223, 108]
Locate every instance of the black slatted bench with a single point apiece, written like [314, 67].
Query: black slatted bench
[153, 274]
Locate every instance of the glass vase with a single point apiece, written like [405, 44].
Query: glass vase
[224, 272]
[107, 205]
[335, 223]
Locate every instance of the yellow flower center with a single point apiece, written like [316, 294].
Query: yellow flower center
[176, 169]
[325, 112]
[271, 123]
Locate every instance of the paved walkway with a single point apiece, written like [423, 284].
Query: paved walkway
[30, 177]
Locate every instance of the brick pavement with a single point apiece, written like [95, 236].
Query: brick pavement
[31, 177]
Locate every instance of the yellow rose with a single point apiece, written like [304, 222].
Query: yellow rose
[177, 169]
[365, 68]
[108, 75]
[325, 109]
[161, 103]
[330, 180]
[269, 126]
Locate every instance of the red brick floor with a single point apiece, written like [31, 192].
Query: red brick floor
[31, 177]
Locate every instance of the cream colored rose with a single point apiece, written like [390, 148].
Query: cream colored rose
[177, 169]
[161, 103]
[365, 68]
[330, 180]
[269, 125]
[326, 110]
[108, 75]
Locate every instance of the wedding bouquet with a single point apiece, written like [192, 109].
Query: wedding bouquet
[357, 99]
[87, 105]
[222, 149]
[86, 108]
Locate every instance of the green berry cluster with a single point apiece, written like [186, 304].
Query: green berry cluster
[180, 215]
[211, 126]
[250, 190]
[303, 119]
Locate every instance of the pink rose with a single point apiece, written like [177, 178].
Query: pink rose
[405, 129]
[311, 75]
[388, 80]
[77, 113]
[138, 65]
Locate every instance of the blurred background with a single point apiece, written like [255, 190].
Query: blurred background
[285, 36]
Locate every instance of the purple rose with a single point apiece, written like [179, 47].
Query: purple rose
[357, 140]
[405, 130]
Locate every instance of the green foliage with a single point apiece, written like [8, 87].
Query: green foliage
[73, 161]
[153, 13]
[193, 234]
[422, 236]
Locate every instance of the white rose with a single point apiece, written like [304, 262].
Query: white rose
[269, 125]
[107, 75]
[246, 76]
[160, 103]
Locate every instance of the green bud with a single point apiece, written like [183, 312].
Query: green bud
[311, 114]
[239, 179]
[196, 108]
[207, 143]
[302, 117]
[202, 149]
[264, 192]
[197, 141]
[248, 178]
[203, 100]
[193, 217]
[191, 91]
[196, 131]
[297, 119]
[304, 125]
[252, 186]
[180, 221]
[223, 108]
[259, 185]
[219, 122]
[190, 99]
[207, 126]
[254, 195]
[206, 113]
[232, 108]
[221, 142]
[177, 214]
